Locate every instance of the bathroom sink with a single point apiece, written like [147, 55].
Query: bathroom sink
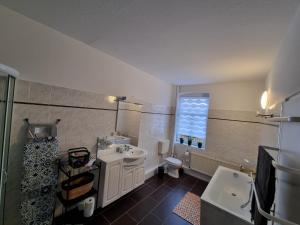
[134, 154]
[112, 154]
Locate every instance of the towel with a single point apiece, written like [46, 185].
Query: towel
[265, 186]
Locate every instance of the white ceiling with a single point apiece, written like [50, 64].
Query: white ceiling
[179, 41]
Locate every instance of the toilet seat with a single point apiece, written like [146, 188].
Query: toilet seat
[174, 161]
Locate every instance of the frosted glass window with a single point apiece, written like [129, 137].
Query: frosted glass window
[191, 118]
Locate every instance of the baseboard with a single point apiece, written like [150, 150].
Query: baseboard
[150, 172]
[153, 171]
[196, 174]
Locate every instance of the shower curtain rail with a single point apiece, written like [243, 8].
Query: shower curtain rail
[285, 168]
[264, 213]
[291, 119]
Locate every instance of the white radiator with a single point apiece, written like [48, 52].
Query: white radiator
[207, 165]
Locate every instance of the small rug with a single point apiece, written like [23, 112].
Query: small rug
[189, 208]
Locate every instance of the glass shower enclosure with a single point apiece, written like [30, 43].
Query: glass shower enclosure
[7, 83]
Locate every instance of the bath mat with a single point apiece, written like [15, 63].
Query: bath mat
[189, 208]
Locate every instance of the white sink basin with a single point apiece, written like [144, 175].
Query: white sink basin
[134, 154]
[111, 154]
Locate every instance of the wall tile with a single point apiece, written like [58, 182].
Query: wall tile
[233, 141]
[21, 91]
[40, 93]
[153, 128]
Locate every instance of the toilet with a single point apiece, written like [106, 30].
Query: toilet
[173, 164]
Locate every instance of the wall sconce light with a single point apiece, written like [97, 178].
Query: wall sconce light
[264, 105]
[264, 100]
[111, 99]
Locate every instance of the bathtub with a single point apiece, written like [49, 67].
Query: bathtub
[221, 201]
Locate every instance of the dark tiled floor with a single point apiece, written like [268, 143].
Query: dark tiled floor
[150, 204]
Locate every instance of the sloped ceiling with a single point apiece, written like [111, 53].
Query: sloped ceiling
[181, 42]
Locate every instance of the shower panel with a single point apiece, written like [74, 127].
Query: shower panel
[7, 83]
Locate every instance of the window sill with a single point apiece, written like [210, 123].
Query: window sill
[190, 147]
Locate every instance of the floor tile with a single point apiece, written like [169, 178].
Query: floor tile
[142, 209]
[199, 188]
[117, 209]
[150, 204]
[142, 193]
[172, 182]
[188, 182]
[173, 219]
[156, 181]
[165, 208]
[98, 220]
[150, 220]
[124, 220]
[162, 192]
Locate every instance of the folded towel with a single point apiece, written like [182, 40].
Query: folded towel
[265, 186]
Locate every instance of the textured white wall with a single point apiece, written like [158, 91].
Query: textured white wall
[239, 96]
[283, 81]
[284, 78]
[233, 130]
[44, 55]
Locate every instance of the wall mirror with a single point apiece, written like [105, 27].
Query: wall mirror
[128, 120]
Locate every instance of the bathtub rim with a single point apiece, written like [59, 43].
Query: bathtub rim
[206, 198]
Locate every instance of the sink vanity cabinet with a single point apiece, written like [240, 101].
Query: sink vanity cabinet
[110, 182]
[120, 174]
[133, 175]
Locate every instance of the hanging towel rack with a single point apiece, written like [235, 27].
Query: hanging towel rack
[41, 130]
[28, 123]
[278, 166]
[264, 213]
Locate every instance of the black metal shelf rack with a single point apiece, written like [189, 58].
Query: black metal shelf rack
[73, 216]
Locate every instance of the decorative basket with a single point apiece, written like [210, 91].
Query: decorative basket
[77, 185]
[78, 157]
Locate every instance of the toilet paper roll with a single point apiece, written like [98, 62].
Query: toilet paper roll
[187, 154]
[89, 206]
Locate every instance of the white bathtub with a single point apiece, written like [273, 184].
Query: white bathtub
[221, 201]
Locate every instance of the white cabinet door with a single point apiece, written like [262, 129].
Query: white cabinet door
[139, 176]
[128, 180]
[113, 180]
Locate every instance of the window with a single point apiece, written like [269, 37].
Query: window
[191, 118]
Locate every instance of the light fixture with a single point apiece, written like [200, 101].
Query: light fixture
[264, 100]
[264, 105]
[111, 99]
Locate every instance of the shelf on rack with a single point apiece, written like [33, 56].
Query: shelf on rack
[73, 216]
[69, 171]
[68, 203]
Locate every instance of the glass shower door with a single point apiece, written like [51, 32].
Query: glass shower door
[6, 101]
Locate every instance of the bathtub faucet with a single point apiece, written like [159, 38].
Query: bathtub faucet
[245, 167]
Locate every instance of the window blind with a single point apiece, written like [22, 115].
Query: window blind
[191, 118]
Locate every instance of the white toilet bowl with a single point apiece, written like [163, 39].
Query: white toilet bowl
[173, 166]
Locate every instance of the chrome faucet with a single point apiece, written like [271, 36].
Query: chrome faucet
[119, 149]
[123, 148]
[127, 148]
[246, 168]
